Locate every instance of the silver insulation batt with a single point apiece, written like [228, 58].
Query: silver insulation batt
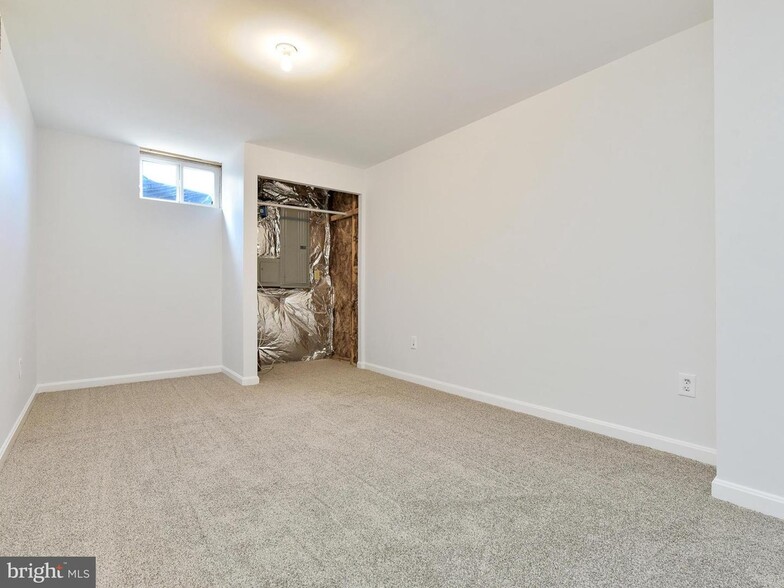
[268, 234]
[295, 324]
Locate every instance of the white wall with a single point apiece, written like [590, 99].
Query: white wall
[750, 252]
[561, 252]
[125, 286]
[281, 165]
[17, 300]
[233, 269]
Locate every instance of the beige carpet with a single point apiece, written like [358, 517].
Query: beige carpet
[325, 475]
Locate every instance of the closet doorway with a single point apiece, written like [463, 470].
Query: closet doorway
[308, 273]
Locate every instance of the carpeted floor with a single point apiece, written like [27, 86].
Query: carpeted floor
[325, 475]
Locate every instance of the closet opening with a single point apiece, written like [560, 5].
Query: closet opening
[307, 241]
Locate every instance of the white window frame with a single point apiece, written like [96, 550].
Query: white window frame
[181, 162]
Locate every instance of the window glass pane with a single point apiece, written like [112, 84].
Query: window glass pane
[159, 180]
[198, 185]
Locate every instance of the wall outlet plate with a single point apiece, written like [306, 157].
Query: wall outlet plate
[687, 385]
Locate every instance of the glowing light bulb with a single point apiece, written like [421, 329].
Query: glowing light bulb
[287, 51]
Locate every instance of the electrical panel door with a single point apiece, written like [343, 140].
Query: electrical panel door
[295, 250]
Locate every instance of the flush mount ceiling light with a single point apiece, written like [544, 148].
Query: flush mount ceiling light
[286, 52]
[274, 45]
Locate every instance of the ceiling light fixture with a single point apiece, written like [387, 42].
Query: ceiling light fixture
[286, 51]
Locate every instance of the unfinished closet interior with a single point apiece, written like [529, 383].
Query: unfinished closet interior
[307, 259]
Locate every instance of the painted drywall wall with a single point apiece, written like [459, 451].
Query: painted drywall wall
[281, 165]
[233, 196]
[126, 286]
[560, 252]
[749, 246]
[17, 275]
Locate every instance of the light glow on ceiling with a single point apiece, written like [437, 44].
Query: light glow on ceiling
[287, 46]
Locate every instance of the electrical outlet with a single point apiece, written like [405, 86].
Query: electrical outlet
[20, 368]
[687, 385]
[414, 343]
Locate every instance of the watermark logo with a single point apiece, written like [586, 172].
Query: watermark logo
[62, 572]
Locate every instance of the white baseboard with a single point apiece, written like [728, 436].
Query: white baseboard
[127, 379]
[9, 440]
[636, 436]
[245, 381]
[764, 502]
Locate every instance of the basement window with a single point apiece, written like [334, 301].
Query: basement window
[175, 178]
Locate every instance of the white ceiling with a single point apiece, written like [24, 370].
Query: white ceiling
[374, 77]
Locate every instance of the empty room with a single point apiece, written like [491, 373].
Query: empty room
[413, 293]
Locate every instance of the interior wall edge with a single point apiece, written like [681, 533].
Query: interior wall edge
[764, 502]
[17, 426]
[749, 93]
[361, 287]
[242, 380]
[232, 262]
[636, 436]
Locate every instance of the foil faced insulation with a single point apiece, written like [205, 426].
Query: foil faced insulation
[268, 233]
[294, 324]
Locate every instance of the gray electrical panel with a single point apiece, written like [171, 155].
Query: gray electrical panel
[291, 268]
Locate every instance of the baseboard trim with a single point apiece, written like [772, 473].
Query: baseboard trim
[11, 438]
[245, 381]
[127, 379]
[622, 432]
[764, 502]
